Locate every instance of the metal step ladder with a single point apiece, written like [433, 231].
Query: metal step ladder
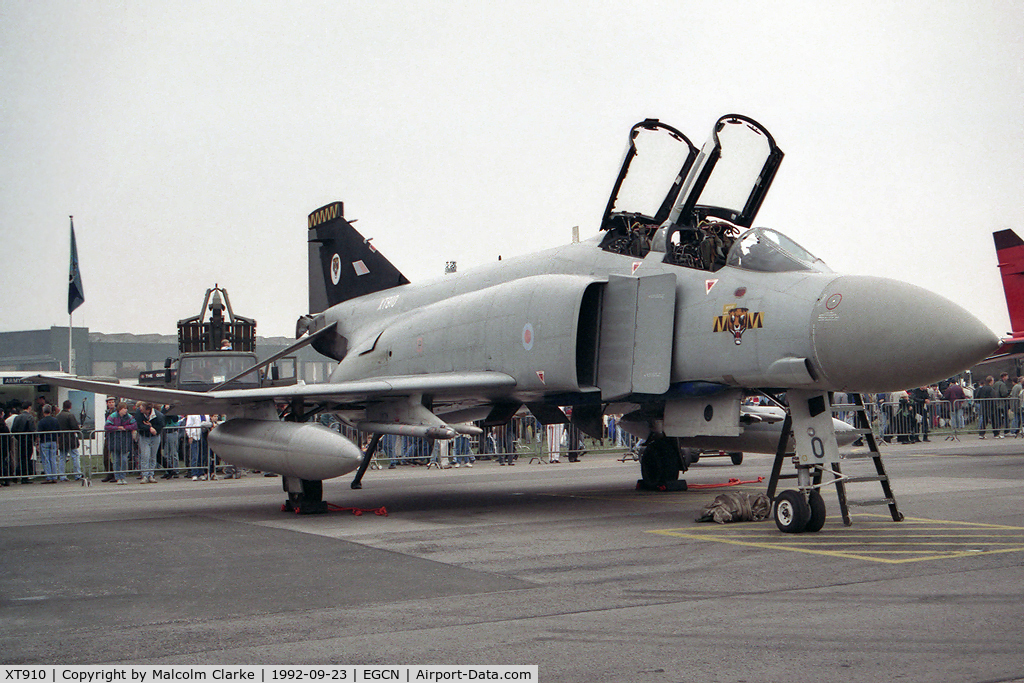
[863, 426]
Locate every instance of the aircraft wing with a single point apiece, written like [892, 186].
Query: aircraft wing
[456, 384]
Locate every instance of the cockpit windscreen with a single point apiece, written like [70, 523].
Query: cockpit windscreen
[768, 251]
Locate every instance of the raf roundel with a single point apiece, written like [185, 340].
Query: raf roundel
[528, 336]
[335, 268]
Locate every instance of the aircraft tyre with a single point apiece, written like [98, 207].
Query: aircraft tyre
[791, 512]
[737, 458]
[817, 507]
[309, 501]
[660, 464]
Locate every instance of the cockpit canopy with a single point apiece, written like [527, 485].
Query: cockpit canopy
[664, 176]
[687, 203]
[731, 176]
[768, 251]
[657, 161]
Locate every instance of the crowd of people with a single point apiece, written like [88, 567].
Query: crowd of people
[143, 440]
[25, 428]
[993, 405]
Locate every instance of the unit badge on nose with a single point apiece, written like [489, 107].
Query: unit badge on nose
[737, 321]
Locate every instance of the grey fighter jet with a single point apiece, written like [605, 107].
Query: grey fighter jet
[671, 315]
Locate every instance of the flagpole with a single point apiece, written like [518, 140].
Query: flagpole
[76, 296]
[72, 285]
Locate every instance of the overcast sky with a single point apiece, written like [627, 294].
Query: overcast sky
[190, 141]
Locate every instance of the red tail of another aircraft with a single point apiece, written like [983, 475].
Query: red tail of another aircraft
[1010, 253]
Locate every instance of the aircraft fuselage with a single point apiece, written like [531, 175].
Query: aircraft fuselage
[551, 321]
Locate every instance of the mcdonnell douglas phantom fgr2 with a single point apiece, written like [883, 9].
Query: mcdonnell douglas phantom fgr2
[671, 315]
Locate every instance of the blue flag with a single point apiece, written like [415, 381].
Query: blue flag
[76, 295]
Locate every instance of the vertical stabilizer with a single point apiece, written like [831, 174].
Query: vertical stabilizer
[1010, 254]
[343, 264]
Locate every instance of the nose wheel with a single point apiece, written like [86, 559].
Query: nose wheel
[816, 504]
[791, 512]
[796, 512]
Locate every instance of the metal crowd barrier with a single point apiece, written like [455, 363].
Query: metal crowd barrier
[95, 460]
[413, 451]
[1001, 416]
[900, 422]
[14, 467]
[909, 422]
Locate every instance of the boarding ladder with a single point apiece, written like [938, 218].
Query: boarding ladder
[862, 423]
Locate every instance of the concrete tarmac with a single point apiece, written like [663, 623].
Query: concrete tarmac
[566, 566]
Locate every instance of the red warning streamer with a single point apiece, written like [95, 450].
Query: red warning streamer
[731, 482]
[380, 512]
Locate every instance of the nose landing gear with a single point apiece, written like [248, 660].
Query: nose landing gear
[796, 512]
[809, 421]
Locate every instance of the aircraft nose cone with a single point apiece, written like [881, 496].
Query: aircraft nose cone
[875, 334]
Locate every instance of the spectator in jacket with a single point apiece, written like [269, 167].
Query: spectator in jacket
[108, 466]
[196, 429]
[38, 407]
[955, 395]
[1002, 388]
[150, 422]
[1015, 395]
[68, 443]
[171, 442]
[24, 427]
[922, 413]
[48, 429]
[119, 428]
[6, 469]
[985, 395]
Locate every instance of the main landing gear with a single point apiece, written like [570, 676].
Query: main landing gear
[661, 462]
[305, 497]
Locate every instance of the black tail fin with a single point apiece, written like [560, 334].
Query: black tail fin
[342, 263]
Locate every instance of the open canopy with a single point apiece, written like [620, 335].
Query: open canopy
[657, 161]
[664, 178]
[731, 176]
[689, 204]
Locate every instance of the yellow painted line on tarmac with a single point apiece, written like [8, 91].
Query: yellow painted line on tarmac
[873, 538]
